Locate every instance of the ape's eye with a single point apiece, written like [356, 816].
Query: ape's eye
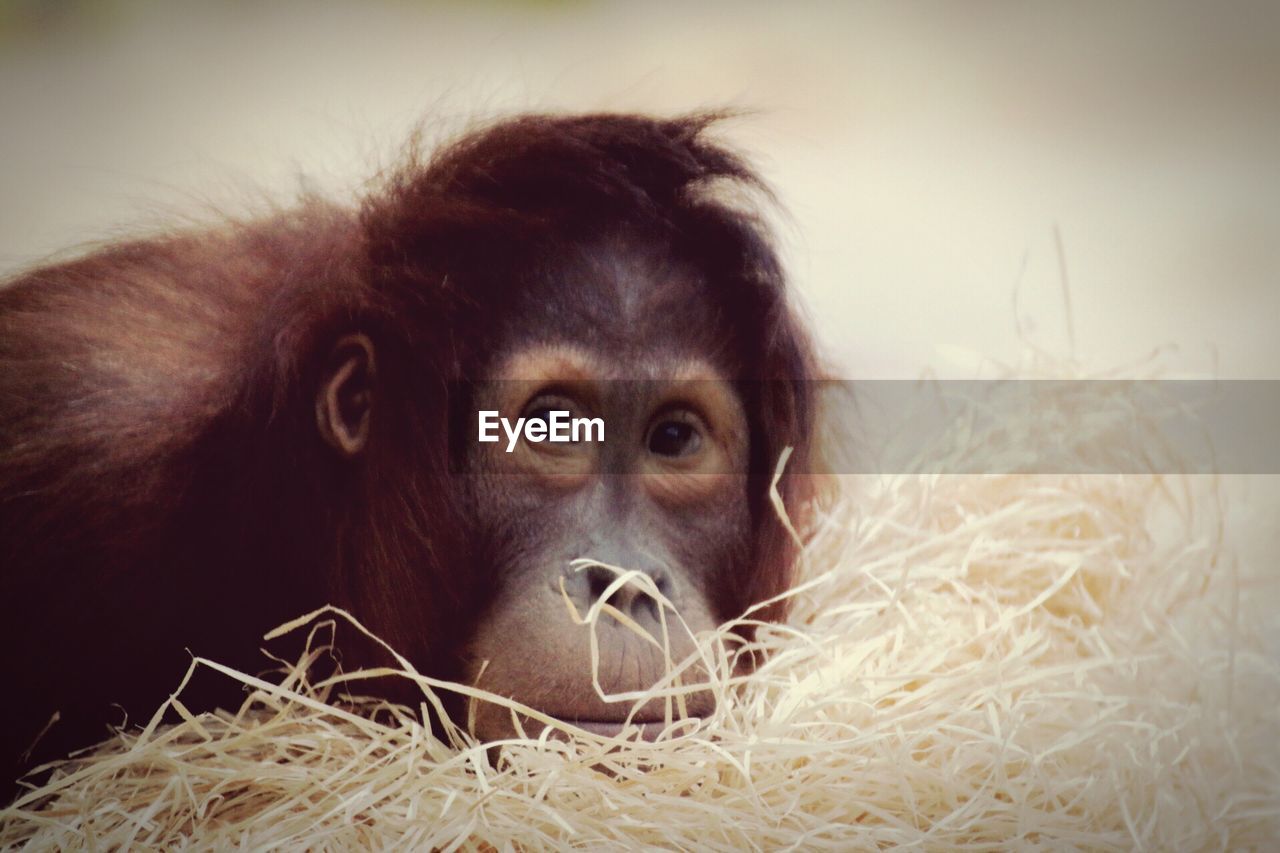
[541, 407]
[670, 437]
[541, 414]
[559, 430]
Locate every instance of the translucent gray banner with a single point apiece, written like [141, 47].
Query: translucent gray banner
[920, 427]
[1055, 426]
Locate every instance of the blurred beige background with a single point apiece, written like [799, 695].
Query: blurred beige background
[927, 154]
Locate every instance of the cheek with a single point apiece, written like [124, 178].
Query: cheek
[704, 482]
[545, 468]
[701, 526]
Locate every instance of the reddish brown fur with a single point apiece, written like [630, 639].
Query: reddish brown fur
[162, 486]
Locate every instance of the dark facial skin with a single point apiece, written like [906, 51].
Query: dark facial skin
[665, 493]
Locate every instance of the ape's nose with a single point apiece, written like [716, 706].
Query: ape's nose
[633, 597]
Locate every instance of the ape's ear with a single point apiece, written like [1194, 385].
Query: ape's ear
[344, 403]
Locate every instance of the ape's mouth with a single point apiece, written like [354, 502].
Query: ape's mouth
[649, 729]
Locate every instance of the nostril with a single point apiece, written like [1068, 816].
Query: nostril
[647, 606]
[632, 597]
[598, 580]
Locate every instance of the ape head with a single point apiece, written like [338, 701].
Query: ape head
[293, 404]
[596, 266]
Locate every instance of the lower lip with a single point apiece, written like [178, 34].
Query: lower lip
[648, 731]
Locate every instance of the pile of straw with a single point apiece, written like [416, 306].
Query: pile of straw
[969, 661]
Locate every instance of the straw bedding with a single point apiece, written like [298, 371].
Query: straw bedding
[970, 661]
